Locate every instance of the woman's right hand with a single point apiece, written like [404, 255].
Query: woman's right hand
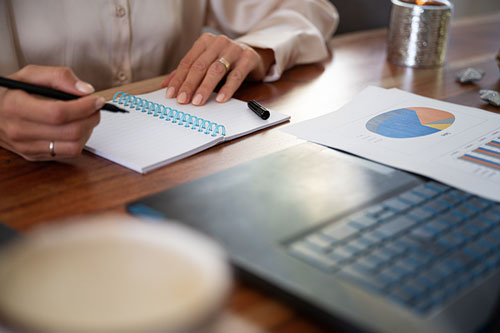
[31, 124]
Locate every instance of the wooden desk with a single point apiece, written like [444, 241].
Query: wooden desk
[35, 193]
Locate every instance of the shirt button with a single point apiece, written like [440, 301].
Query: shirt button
[122, 77]
[120, 11]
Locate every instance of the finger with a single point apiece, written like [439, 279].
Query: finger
[61, 78]
[40, 150]
[29, 131]
[199, 69]
[19, 104]
[246, 63]
[199, 46]
[215, 73]
[167, 79]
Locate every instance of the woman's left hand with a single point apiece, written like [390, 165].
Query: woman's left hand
[206, 64]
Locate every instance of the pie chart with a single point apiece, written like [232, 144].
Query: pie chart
[410, 122]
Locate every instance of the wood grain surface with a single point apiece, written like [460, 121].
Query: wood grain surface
[36, 193]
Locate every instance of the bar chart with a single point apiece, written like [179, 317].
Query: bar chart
[487, 155]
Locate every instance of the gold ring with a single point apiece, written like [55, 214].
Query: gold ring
[226, 63]
[51, 149]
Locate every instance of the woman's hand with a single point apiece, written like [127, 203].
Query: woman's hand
[39, 128]
[206, 64]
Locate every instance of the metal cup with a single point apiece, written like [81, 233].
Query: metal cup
[418, 32]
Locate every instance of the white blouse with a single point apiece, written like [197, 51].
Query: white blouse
[114, 42]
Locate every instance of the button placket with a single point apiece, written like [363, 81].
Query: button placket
[121, 40]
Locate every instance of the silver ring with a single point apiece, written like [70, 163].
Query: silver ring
[51, 149]
[226, 63]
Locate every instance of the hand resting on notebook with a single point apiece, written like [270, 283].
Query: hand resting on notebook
[40, 129]
[208, 61]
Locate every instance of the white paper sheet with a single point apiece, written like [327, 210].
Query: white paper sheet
[453, 144]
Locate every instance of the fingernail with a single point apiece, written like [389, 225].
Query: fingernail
[170, 92]
[182, 98]
[84, 87]
[220, 97]
[99, 103]
[197, 99]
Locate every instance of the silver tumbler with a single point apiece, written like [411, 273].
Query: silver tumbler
[418, 32]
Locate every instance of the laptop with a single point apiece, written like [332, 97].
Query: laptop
[355, 243]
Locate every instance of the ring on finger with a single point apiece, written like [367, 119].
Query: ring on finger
[224, 61]
[51, 149]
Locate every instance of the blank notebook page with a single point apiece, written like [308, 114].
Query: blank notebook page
[143, 142]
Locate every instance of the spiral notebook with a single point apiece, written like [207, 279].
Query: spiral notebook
[158, 131]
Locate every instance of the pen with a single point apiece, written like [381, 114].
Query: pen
[258, 109]
[49, 92]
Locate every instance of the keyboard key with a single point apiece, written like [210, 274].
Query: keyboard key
[425, 192]
[411, 198]
[436, 227]
[385, 215]
[419, 214]
[339, 231]
[406, 244]
[475, 250]
[396, 205]
[479, 224]
[301, 251]
[465, 232]
[450, 241]
[374, 211]
[478, 205]
[353, 248]
[318, 242]
[424, 282]
[375, 261]
[369, 265]
[438, 272]
[394, 227]
[448, 200]
[461, 195]
[397, 273]
[464, 211]
[438, 187]
[489, 242]
[416, 262]
[454, 263]
[391, 250]
[362, 221]
[496, 210]
[423, 234]
[368, 239]
[401, 270]
[361, 244]
[490, 216]
[340, 254]
[450, 219]
[383, 255]
[387, 279]
[435, 207]
[408, 265]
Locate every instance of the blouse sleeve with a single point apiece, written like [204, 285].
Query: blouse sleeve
[296, 30]
[8, 57]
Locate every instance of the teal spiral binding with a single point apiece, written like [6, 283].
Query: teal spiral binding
[169, 114]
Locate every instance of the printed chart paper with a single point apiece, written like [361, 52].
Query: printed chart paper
[454, 144]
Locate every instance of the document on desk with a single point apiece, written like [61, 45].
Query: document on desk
[158, 131]
[454, 144]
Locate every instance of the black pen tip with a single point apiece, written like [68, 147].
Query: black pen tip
[113, 108]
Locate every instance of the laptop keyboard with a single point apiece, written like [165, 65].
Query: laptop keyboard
[421, 249]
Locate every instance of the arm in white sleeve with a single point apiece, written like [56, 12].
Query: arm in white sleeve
[296, 30]
[8, 59]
